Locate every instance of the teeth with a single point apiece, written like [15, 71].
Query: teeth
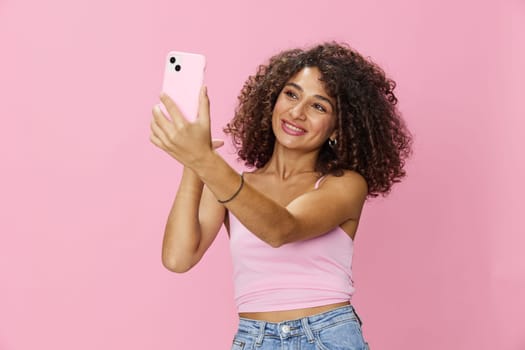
[290, 126]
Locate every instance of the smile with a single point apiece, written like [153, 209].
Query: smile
[291, 129]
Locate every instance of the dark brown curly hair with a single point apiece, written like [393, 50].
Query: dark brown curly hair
[372, 138]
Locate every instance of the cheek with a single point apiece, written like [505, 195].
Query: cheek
[278, 109]
[327, 126]
[333, 123]
[275, 121]
[280, 106]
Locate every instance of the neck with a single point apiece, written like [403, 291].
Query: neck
[286, 163]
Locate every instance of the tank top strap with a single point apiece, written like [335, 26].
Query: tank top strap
[319, 181]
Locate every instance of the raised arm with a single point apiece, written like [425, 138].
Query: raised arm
[339, 199]
[195, 217]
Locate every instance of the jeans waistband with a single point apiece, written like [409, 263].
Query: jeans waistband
[302, 326]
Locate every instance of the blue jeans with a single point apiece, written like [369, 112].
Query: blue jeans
[338, 329]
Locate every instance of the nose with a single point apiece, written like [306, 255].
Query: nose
[297, 112]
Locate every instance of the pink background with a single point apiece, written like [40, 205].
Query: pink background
[84, 194]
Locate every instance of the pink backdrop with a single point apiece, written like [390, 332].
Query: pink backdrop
[84, 195]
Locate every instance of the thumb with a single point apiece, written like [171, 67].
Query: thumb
[217, 143]
[204, 107]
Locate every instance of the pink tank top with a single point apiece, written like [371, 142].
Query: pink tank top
[297, 275]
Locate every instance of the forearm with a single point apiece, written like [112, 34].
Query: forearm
[261, 215]
[182, 233]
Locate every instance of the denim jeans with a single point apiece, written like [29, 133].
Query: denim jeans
[338, 329]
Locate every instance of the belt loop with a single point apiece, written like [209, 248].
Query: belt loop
[307, 330]
[260, 336]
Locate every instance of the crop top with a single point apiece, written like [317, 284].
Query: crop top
[302, 274]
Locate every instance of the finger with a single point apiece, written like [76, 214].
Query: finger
[163, 111]
[160, 119]
[204, 108]
[173, 109]
[156, 141]
[158, 132]
[217, 143]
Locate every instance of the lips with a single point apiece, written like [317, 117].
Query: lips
[292, 129]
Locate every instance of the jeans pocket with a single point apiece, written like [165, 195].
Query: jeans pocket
[341, 336]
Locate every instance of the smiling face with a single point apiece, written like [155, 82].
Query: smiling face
[304, 114]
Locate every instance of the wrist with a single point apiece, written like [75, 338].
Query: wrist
[232, 197]
[189, 176]
[205, 164]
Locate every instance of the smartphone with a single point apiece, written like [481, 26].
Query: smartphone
[183, 79]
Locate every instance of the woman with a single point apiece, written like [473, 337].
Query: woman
[321, 129]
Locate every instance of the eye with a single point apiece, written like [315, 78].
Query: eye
[290, 94]
[319, 107]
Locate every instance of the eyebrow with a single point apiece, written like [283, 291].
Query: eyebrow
[298, 87]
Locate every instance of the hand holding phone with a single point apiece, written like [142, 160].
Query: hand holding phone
[183, 79]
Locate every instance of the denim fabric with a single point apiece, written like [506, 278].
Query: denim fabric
[338, 329]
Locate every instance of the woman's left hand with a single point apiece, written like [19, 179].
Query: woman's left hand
[187, 142]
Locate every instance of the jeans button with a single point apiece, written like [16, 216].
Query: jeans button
[285, 328]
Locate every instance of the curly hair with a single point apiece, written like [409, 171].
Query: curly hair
[372, 138]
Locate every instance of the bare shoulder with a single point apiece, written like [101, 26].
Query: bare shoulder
[350, 181]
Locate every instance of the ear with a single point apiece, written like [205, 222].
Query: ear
[333, 136]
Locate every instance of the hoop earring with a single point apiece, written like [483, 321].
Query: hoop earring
[332, 143]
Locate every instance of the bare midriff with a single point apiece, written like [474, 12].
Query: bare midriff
[286, 315]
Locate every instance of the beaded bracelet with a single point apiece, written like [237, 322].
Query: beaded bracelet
[236, 192]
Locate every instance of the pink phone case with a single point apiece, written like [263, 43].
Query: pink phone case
[183, 79]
